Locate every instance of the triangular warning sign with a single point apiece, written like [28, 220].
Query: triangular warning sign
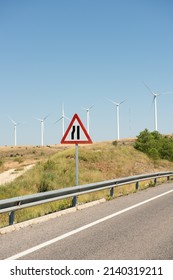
[76, 133]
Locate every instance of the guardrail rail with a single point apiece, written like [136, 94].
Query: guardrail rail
[11, 205]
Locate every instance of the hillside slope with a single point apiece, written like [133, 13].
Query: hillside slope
[97, 162]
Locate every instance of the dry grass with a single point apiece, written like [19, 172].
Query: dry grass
[16, 157]
[55, 168]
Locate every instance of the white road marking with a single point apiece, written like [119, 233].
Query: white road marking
[56, 239]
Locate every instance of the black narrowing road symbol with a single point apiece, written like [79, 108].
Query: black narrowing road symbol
[73, 132]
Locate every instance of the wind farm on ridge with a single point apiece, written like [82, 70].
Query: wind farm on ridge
[114, 123]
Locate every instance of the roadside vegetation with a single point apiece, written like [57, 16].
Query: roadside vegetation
[97, 162]
[155, 145]
[15, 157]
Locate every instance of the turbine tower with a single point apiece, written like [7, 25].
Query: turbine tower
[88, 117]
[155, 95]
[117, 116]
[42, 128]
[63, 117]
[15, 130]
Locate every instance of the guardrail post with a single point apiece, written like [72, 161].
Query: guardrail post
[74, 201]
[111, 193]
[155, 181]
[137, 185]
[168, 178]
[11, 218]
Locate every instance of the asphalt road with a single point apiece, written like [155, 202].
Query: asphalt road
[138, 226]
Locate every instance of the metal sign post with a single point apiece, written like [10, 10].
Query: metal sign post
[76, 134]
[74, 199]
[77, 165]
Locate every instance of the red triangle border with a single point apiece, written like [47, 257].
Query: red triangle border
[88, 141]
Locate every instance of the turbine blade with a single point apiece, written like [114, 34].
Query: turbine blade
[169, 92]
[112, 101]
[12, 121]
[149, 89]
[91, 107]
[46, 117]
[66, 118]
[122, 101]
[59, 119]
[38, 119]
[87, 109]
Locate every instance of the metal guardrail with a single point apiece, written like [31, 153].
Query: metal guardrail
[12, 204]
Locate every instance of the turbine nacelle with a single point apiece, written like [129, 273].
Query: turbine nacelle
[13, 122]
[116, 103]
[157, 94]
[43, 119]
[155, 103]
[87, 109]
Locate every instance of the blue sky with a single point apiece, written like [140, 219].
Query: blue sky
[79, 53]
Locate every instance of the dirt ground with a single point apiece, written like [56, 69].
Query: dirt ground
[14, 161]
[11, 174]
[19, 157]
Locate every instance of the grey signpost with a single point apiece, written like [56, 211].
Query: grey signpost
[76, 134]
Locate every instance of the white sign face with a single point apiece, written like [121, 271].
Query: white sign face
[76, 133]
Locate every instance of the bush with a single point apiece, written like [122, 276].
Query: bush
[115, 143]
[49, 165]
[47, 183]
[155, 145]
[153, 153]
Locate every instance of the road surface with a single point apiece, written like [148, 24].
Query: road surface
[137, 226]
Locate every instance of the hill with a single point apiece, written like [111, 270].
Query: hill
[18, 157]
[55, 168]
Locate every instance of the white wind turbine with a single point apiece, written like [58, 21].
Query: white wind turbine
[117, 116]
[15, 130]
[42, 128]
[155, 95]
[88, 117]
[63, 117]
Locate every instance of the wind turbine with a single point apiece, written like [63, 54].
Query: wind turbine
[63, 117]
[42, 128]
[155, 95]
[15, 130]
[88, 116]
[117, 116]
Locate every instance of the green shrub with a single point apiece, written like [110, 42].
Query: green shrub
[155, 145]
[153, 153]
[47, 182]
[49, 165]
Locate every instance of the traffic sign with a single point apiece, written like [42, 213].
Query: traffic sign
[76, 133]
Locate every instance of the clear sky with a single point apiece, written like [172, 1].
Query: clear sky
[80, 52]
